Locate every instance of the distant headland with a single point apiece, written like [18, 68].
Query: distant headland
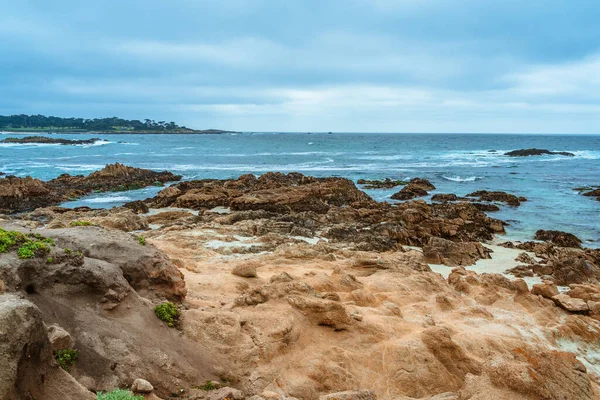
[113, 125]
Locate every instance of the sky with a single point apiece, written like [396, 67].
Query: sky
[502, 66]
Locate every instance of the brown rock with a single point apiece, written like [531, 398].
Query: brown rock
[350, 395]
[321, 311]
[542, 374]
[562, 239]
[59, 338]
[546, 289]
[245, 270]
[25, 194]
[570, 304]
[442, 251]
[502, 197]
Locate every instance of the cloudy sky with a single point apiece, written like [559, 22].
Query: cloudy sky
[308, 65]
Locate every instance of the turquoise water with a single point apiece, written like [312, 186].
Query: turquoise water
[454, 163]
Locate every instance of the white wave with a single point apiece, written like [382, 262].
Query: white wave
[183, 148]
[96, 143]
[106, 199]
[25, 145]
[461, 179]
[309, 143]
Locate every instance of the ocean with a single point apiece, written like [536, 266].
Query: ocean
[454, 163]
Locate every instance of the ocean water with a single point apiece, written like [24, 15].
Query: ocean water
[454, 163]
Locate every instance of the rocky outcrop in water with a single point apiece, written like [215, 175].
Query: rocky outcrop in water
[503, 197]
[562, 239]
[537, 152]
[386, 183]
[417, 187]
[26, 194]
[113, 177]
[49, 140]
[274, 192]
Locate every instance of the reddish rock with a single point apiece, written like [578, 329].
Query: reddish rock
[562, 239]
[502, 197]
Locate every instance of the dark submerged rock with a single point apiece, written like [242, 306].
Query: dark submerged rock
[48, 140]
[537, 152]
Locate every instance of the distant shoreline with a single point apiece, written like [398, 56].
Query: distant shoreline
[86, 132]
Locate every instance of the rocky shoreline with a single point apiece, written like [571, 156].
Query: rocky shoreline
[288, 286]
[48, 140]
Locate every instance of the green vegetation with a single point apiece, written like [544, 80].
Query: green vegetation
[142, 240]
[208, 385]
[49, 260]
[167, 312]
[27, 246]
[80, 223]
[68, 250]
[42, 123]
[118, 394]
[66, 358]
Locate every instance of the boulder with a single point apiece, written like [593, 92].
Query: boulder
[59, 338]
[546, 289]
[142, 386]
[570, 304]
[245, 270]
[442, 251]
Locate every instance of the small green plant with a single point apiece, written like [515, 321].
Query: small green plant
[31, 249]
[167, 312]
[118, 394]
[49, 260]
[68, 251]
[66, 358]
[142, 240]
[208, 385]
[9, 239]
[80, 223]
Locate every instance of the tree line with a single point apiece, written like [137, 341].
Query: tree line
[23, 121]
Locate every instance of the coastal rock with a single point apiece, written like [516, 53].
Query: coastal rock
[442, 251]
[59, 338]
[542, 374]
[417, 187]
[386, 183]
[272, 192]
[115, 218]
[141, 386]
[28, 367]
[112, 177]
[49, 140]
[322, 312]
[570, 304]
[245, 270]
[350, 395]
[502, 197]
[562, 239]
[444, 197]
[536, 152]
[546, 289]
[25, 194]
